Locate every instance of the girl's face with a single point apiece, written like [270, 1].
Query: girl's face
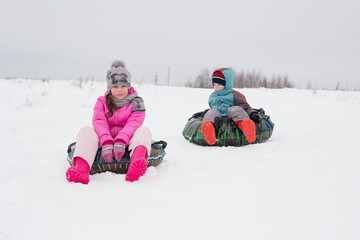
[119, 92]
[218, 87]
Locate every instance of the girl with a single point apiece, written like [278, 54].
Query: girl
[117, 121]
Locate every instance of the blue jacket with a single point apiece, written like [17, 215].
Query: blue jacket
[224, 99]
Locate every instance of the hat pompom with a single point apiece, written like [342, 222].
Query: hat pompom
[117, 63]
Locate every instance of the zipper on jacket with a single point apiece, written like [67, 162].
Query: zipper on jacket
[115, 120]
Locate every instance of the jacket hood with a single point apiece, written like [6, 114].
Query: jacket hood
[229, 81]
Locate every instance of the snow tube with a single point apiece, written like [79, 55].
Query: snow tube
[227, 134]
[156, 156]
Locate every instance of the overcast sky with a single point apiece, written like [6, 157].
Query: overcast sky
[309, 40]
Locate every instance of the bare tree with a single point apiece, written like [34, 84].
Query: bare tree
[287, 83]
[239, 79]
[273, 81]
[242, 79]
[203, 80]
[279, 83]
[337, 88]
[265, 83]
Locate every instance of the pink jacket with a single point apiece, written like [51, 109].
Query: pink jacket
[121, 126]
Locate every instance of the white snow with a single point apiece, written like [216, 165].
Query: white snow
[303, 183]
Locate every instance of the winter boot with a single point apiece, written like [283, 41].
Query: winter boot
[78, 173]
[208, 130]
[247, 126]
[138, 164]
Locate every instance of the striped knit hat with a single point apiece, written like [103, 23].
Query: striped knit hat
[118, 75]
[218, 77]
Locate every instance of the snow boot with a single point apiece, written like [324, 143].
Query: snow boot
[78, 173]
[247, 126]
[208, 130]
[138, 164]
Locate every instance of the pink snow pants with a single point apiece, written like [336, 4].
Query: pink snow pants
[87, 143]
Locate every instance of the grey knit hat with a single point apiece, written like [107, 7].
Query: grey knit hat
[118, 75]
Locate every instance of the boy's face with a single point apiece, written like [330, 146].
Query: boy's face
[218, 87]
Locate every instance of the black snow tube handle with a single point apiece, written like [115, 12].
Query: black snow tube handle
[70, 146]
[163, 143]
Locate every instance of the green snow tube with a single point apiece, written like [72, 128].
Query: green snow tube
[156, 156]
[228, 134]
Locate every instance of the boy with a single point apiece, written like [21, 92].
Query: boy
[227, 102]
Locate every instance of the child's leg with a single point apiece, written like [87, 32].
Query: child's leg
[87, 143]
[237, 113]
[207, 127]
[211, 114]
[140, 146]
[242, 120]
[142, 136]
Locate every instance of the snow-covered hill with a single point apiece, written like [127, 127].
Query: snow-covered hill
[304, 183]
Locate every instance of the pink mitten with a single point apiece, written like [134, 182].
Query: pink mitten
[119, 150]
[107, 152]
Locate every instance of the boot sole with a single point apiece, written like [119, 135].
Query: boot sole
[208, 130]
[136, 170]
[74, 175]
[248, 127]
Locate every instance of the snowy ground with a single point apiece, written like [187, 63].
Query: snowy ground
[304, 183]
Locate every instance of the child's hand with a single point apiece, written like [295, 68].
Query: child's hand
[119, 150]
[255, 117]
[107, 152]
